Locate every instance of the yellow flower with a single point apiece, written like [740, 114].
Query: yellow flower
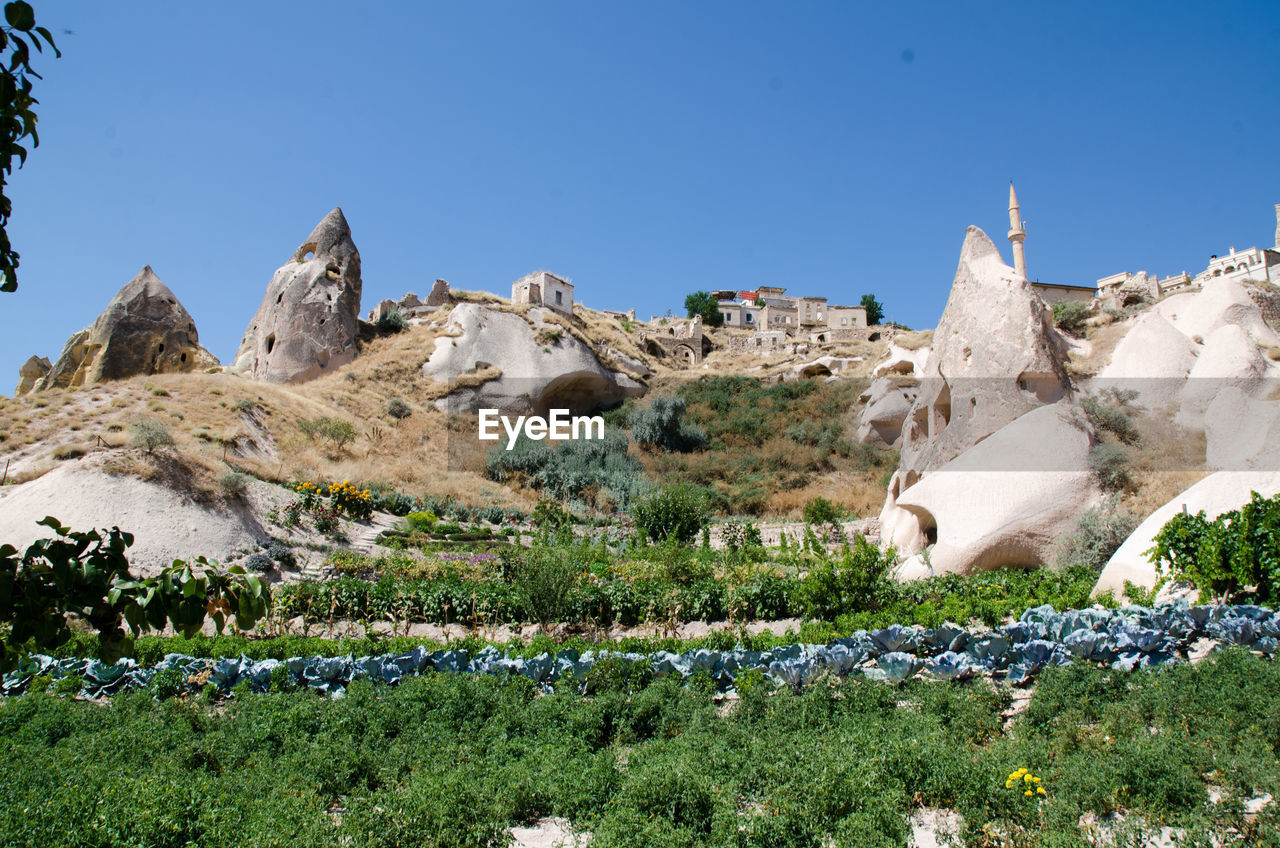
[1008, 784]
[1028, 793]
[1039, 790]
[1036, 779]
[1027, 778]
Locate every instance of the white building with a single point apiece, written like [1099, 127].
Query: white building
[542, 288]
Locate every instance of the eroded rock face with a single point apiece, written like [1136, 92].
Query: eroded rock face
[995, 356]
[144, 330]
[880, 422]
[33, 370]
[1008, 500]
[307, 323]
[541, 368]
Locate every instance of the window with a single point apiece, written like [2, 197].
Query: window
[844, 321]
[747, 317]
[560, 298]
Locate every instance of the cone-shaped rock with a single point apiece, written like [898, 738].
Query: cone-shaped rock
[307, 323]
[144, 330]
[995, 357]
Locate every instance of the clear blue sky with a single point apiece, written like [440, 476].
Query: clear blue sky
[644, 149]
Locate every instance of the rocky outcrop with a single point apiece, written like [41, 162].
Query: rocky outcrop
[1153, 359]
[901, 360]
[1008, 500]
[880, 422]
[541, 365]
[995, 357]
[307, 324]
[144, 330]
[1220, 492]
[32, 371]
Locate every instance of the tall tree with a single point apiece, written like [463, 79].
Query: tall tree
[17, 118]
[875, 309]
[705, 304]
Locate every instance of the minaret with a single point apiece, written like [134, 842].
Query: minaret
[1017, 233]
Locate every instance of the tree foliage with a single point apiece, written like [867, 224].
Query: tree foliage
[704, 303]
[84, 576]
[17, 117]
[875, 309]
[1236, 551]
[662, 426]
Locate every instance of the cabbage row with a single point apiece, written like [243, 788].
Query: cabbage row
[1133, 637]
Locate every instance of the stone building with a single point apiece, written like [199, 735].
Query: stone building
[680, 338]
[542, 288]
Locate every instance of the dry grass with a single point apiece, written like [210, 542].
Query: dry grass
[913, 339]
[1102, 343]
[1166, 461]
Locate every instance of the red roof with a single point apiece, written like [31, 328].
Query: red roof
[746, 295]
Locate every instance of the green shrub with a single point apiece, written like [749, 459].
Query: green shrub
[336, 431]
[167, 684]
[1112, 416]
[259, 562]
[678, 512]
[397, 408]
[150, 434]
[544, 580]
[662, 426]
[858, 580]
[392, 321]
[283, 555]
[597, 469]
[419, 522]
[1111, 465]
[1069, 316]
[1223, 556]
[822, 511]
[1099, 532]
[233, 483]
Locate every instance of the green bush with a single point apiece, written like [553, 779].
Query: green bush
[150, 434]
[334, 430]
[599, 469]
[1099, 533]
[1111, 465]
[1224, 556]
[392, 321]
[1069, 316]
[676, 512]
[397, 408]
[858, 580]
[821, 511]
[233, 483]
[1112, 416]
[662, 426]
[544, 580]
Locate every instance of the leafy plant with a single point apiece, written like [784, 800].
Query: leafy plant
[704, 304]
[1110, 464]
[858, 580]
[874, 308]
[397, 408]
[1237, 550]
[17, 117]
[233, 483]
[1099, 533]
[819, 510]
[85, 577]
[392, 321]
[336, 431]
[150, 434]
[661, 426]
[678, 512]
[1069, 316]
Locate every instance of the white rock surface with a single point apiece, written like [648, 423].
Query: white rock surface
[1008, 500]
[166, 524]
[1229, 358]
[995, 357]
[1220, 492]
[536, 375]
[900, 360]
[880, 422]
[1152, 359]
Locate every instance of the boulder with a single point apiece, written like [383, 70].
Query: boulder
[143, 330]
[900, 360]
[1241, 432]
[1153, 359]
[541, 365]
[995, 356]
[1221, 303]
[1220, 492]
[880, 422]
[31, 372]
[823, 366]
[307, 324]
[1228, 358]
[1008, 500]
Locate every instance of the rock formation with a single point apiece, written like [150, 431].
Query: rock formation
[541, 368]
[307, 323]
[144, 330]
[880, 422]
[995, 356]
[901, 360]
[1008, 500]
[33, 370]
